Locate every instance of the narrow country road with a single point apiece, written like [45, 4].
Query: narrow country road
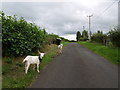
[78, 67]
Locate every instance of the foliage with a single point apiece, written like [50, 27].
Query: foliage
[78, 35]
[52, 39]
[99, 37]
[115, 36]
[20, 37]
[83, 37]
[85, 34]
[111, 38]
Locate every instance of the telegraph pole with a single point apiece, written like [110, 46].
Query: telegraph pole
[89, 27]
[119, 14]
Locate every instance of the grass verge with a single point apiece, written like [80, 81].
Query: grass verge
[110, 53]
[65, 43]
[13, 74]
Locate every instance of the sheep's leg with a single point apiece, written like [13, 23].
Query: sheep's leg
[34, 67]
[60, 50]
[38, 67]
[27, 68]
[25, 65]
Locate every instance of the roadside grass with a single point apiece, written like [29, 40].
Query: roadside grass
[65, 43]
[110, 53]
[13, 74]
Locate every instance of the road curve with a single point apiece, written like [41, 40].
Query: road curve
[78, 67]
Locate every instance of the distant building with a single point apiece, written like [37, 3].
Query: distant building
[119, 14]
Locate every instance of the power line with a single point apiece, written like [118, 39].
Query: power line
[100, 14]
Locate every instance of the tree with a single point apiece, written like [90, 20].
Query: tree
[78, 35]
[85, 34]
[99, 37]
[100, 32]
[115, 37]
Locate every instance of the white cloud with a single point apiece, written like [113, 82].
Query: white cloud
[65, 18]
[70, 37]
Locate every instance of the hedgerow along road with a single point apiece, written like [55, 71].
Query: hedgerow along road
[78, 67]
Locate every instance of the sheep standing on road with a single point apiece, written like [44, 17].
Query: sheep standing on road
[33, 60]
[60, 47]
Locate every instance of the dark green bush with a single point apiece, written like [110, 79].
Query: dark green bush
[99, 38]
[115, 37]
[20, 37]
[52, 38]
[78, 35]
[83, 39]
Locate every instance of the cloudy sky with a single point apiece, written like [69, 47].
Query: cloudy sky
[66, 17]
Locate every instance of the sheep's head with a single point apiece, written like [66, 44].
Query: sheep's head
[41, 54]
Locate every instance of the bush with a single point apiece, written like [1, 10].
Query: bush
[99, 38]
[83, 39]
[20, 37]
[52, 39]
[115, 37]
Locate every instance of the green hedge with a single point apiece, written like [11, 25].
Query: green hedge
[115, 36]
[99, 38]
[112, 37]
[20, 37]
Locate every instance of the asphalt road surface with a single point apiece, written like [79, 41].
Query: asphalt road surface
[78, 67]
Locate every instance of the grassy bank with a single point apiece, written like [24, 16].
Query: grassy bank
[65, 43]
[110, 53]
[13, 69]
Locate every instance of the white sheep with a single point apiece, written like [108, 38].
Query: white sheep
[33, 60]
[60, 47]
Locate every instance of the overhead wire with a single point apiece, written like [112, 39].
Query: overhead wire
[100, 14]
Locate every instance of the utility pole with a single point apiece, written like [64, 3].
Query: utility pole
[119, 14]
[89, 27]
